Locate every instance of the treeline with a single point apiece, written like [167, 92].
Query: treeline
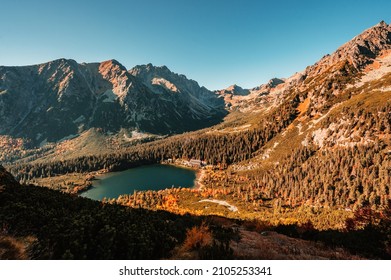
[352, 177]
[214, 148]
[345, 178]
[358, 124]
[351, 170]
[329, 88]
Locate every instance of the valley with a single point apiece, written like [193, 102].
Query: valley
[308, 156]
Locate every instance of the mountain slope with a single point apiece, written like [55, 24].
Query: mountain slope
[315, 145]
[326, 78]
[336, 152]
[61, 99]
[201, 102]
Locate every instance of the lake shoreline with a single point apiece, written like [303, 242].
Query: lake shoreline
[200, 174]
[143, 178]
[198, 182]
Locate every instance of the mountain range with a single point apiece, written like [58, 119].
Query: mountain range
[61, 99]
[308, 155]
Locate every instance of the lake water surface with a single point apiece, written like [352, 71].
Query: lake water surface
[152, 177]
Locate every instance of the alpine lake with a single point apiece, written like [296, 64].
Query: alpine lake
[151, 177]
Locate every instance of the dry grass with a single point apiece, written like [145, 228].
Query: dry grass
[197, 237]
[273, 246]
[373, 66]
[12, 248]
[303, 106]
[70, 183]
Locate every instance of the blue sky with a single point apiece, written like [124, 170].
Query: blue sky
[215, 42]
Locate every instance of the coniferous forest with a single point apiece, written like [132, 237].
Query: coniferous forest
[297, 168]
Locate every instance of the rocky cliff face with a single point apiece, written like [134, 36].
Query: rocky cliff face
[255, 99]
[342, 101]
[233, 90]
[359, 51]
[326, 79]
[61, 99]
[199, 102]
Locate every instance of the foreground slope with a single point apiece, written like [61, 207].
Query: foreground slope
[69, 227]
[38, 223]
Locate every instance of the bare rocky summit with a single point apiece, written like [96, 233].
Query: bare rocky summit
[326, 78]
[61, 99]
[359, 51]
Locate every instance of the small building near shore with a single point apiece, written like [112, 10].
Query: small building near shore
[197, 163]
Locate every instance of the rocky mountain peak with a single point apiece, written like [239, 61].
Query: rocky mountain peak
[271, 84]
[151, 67]
[150, 71]
[359, 51]
[234, 87]
[56, 67]
[113, 63]
[382, 24]
[234, 90]
[275, 82]
[60, 62]
[372, 40]
[61, 99]
[163, 80]
[111, 67]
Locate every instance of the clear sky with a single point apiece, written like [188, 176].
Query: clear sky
[215, 42]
